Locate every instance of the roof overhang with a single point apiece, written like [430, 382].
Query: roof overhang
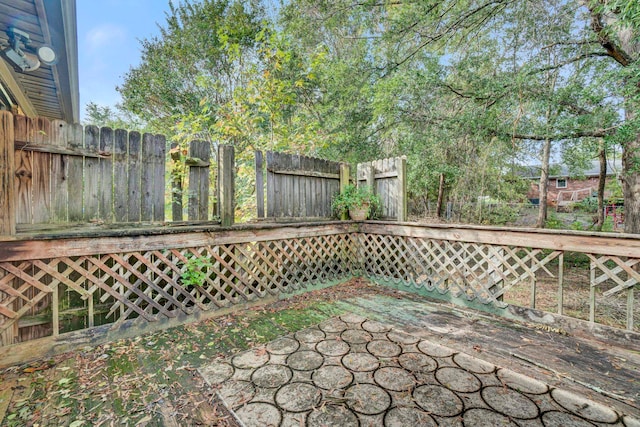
[51, 91]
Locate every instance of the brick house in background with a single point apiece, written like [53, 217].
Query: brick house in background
[564, 188]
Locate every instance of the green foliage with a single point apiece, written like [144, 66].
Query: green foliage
[355, 197]
[118, 118]
[196, 270]
[554, 222]
[588, 205]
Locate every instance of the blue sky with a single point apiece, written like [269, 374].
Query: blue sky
[108, 34]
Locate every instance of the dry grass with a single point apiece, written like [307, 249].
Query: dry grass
[611, 311]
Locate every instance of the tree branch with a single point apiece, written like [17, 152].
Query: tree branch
[613, 50]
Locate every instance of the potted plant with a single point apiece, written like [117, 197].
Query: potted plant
[359, 203]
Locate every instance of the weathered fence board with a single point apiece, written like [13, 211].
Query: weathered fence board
[387, 178]
[135, 177]
[300, 186]
[120, 175]
[91, 175]
[59, 173]
[75, 174]
[7, 175]
[199, 156]
[105, 191]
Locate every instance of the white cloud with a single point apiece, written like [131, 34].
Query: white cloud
[104, 35]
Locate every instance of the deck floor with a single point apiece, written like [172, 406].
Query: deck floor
[397, 361]
[372, 353]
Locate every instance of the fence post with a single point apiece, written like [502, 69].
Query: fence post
[259, 183]
[345, 172]
[7, 175]
[176, 183]
[226, 165]
[401, 167]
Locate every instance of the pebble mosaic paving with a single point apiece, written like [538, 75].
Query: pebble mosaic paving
[350, 371]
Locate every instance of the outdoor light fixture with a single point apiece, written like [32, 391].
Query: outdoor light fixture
[25, 61]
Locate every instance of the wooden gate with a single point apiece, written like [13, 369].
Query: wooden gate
[299, 186]
[388, 179]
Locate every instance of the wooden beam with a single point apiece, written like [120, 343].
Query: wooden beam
[298, 172]
[401, 170]
[575, 241]
[259, 183]
[7, 176]
[155, 238]
[7, 76]
[226, 167]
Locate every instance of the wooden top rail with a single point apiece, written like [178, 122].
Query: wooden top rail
[117, 241]
[627, 245]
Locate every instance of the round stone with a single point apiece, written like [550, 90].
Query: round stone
[473, 364]
[417, 362]
[352, 318]
[332, 415]
[355, 336]
[407, 416]
[372, 326]
[629, 421]
[360, 362]
[332, 377]
[236, 393]
[434, 350]
[383, 348]
[458, 380]
[298, 397]
[270, 376]
[333, 326]
[305, 360]
[216, 373]
[333, 347]
[521, 382]
[479, 417]
[310, 335]
[510, 402]
[259, 414]
[283, 346]
[564, 419]
[367, 399]
[583, 407]
[402, 338]
[395, 379]
[250, 359]
[438, 400]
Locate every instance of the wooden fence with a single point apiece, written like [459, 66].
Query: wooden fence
[298, 186]
[303, 187]
[388, 179]
[56, 173]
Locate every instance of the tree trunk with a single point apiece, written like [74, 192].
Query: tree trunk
[440, 196]
[631, 185]
[544, 184]
[602, 180]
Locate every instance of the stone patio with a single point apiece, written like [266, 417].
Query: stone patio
[353, 371]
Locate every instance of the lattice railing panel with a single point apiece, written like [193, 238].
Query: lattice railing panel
[148, 284]
[475, 271]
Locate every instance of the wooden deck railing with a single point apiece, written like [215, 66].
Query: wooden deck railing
[494, 266]
[101, 284]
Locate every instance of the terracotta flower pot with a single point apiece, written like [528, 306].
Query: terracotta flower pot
[359, 213]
